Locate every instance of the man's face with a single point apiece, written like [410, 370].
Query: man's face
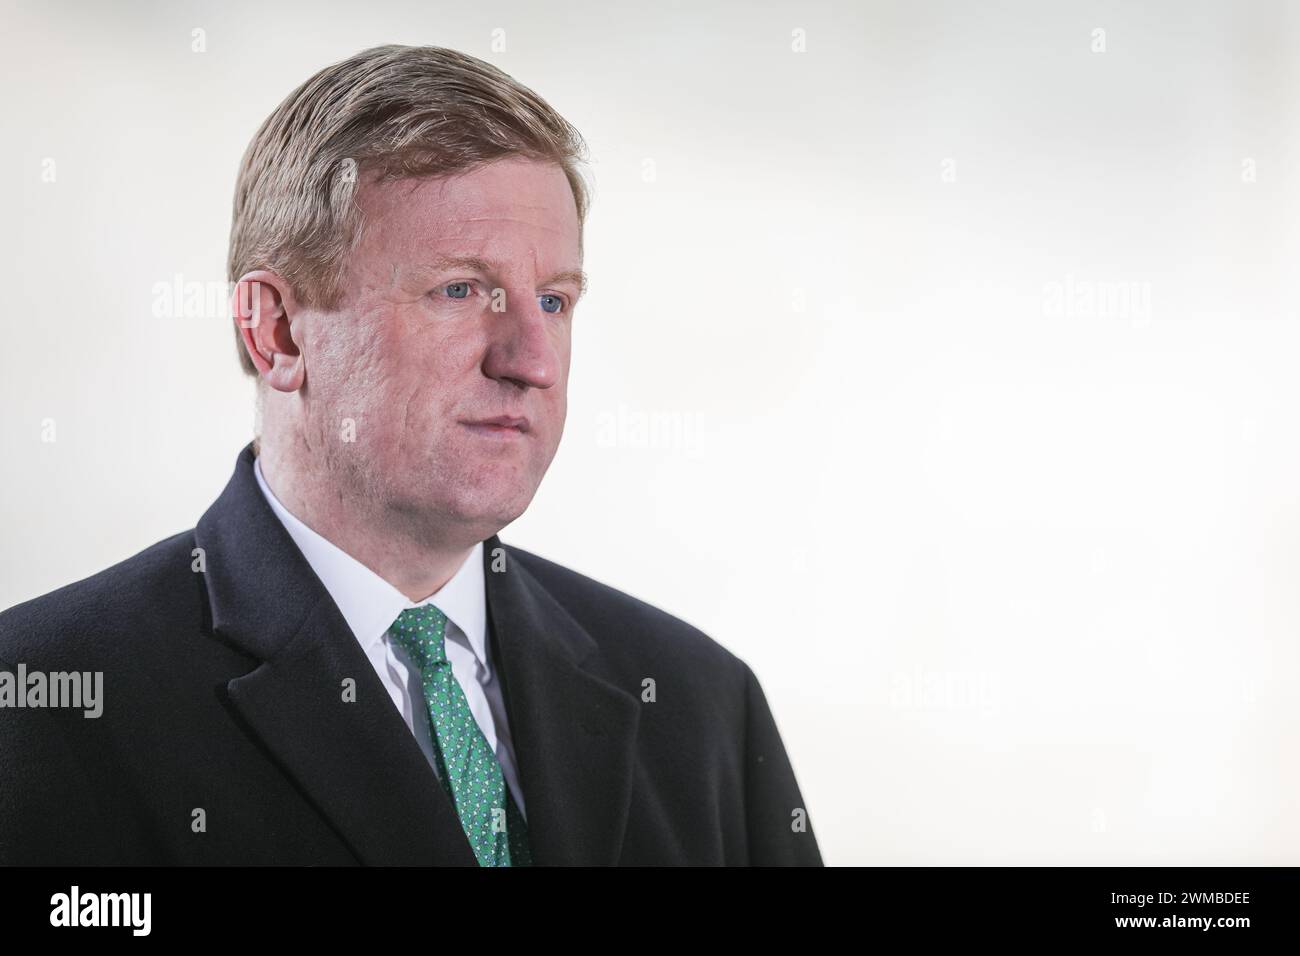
[417, 353]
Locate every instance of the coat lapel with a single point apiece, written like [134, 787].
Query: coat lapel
[357, 762]
[574, 732]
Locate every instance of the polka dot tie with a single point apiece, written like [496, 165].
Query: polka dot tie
[467, 767]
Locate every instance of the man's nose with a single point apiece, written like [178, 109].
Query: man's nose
[523, 343]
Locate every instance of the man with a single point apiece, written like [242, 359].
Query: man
[342, 663]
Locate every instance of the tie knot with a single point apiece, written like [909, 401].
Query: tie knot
[422, 631]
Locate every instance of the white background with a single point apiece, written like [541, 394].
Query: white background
[1017, 570]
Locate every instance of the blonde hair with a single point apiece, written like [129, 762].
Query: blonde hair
[391, 111]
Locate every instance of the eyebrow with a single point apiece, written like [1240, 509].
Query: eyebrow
[478, 264]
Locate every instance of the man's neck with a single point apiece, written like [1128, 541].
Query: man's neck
[414, 564]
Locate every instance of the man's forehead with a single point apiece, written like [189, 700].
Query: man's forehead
[504, 188]
[438, 218]
[496, 220]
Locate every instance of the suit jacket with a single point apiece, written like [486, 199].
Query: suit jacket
[223, 692]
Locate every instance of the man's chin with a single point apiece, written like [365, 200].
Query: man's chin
[487, 521]
[475, 517]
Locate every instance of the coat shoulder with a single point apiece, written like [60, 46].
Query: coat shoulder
[101, 616]
[629, 628]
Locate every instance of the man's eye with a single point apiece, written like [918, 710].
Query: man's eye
[457, 290]
[551, 303]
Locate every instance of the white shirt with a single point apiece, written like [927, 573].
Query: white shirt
[371, 605]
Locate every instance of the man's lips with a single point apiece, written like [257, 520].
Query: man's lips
[503, 425]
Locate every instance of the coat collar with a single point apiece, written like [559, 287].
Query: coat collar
[574, 732]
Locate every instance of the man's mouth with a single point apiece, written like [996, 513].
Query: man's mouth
[502, 426]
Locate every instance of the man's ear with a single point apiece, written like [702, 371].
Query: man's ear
[264, 310]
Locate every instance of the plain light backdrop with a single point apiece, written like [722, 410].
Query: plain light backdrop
[939, 361]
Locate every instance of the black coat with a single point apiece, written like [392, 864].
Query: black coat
[223, 691]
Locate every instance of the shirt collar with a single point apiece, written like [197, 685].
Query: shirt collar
[370, 604]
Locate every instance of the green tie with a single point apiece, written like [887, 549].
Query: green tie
[467, 766]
